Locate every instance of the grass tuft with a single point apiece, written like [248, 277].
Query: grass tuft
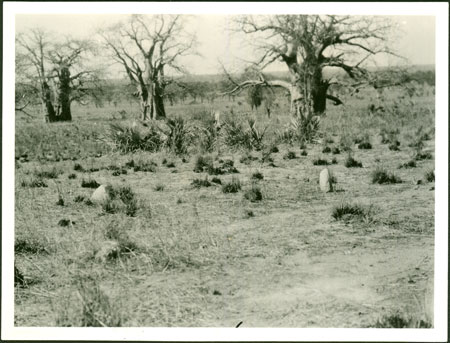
[350, 162]
[381, 176]
[233, 186]
[253, 194]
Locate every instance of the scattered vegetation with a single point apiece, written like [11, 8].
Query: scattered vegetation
[320, 162]
[198, 183]
[90, 183]
[381, 176]
[350, 162]
[120, 199]
[52, 173]
[131, 139]
[253, 194]
[429, 176]
[290, 155]
[409, 164]
[348, 212]
[34, 183]
[257, 176]
[400, 321]
[233, 186]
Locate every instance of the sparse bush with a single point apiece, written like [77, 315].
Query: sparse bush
[247, 159]
[203, 164]
[256, 135]
[365, 145]
[48, 174]
[394, 146]
[198, 183]
[79, 198]
[97, 310]
[253, 194]
[346, 212]
[216, 180]
[429, 176]
[304, 153]
[78, 167]
[91, 183]
[334, 160]
[131, 139]
[326, 150]
[335, 150]
[290, 155]
[34, 183]
[65, 222]
[60, 201]
[142, 165]
[222, 167]
[72, 176]
[257, 176]
[170, 164]
[209, 135]
[19, 278]
[274, 149]
[399, 321]
[159, 187]
[120, 199]
[381, 176]
[409, 164]
[350, 162]
[179, 135]
[30, 246]
[320, 162]
[235, 136]
[233, 186]
[419, 156]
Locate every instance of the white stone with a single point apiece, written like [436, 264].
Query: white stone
[325, 181]
[100, 194]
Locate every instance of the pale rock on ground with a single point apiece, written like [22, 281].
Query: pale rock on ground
[100, 194]
[325, 181]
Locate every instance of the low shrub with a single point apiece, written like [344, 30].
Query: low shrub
[52, 173]
[326, 150]
[216, 180]
[159, 187]
[257, 176]
[346, 212]
[381, 176]
[429, 176]
[34, 183]
[400, 321]
[90, 183]
[131, 139]
[203, 164]
[365, 145]
[30, 246]
[72, 176]
[409, 164]
[350, 162]
[198, 183]
[290, 155]
[253, 194]
[320, 162]
[233, 186]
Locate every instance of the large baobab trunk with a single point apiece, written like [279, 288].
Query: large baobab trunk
[64, 95]
[48, 109]
[158, 100]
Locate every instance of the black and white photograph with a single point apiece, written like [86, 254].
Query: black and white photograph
[225, 171]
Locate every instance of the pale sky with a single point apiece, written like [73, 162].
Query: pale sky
[416, 38]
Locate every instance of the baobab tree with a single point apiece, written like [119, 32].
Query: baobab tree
[307, 44]
[145, 46]
[31, 49]
[57, 69]
[71, 81]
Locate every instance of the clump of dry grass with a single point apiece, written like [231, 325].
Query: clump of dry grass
[233, 186]
[93, 308]
[382, 176]
[253, 194]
